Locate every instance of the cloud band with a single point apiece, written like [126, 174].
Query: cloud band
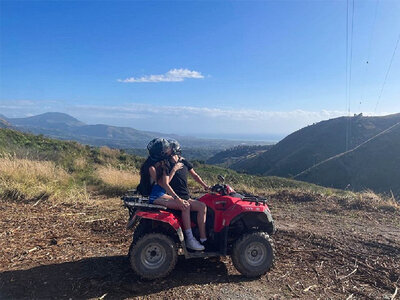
[173, 75]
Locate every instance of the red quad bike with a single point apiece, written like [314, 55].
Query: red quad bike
[237, 225]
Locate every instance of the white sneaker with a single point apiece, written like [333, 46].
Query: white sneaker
[194, 244]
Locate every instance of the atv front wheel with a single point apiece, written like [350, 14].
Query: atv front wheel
[153, 256]
[252, 254]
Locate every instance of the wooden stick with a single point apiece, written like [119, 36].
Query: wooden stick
[309, 288]
[91, 221]
[355, 270]
[394, 294]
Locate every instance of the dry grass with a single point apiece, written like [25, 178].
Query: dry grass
[106, 151]
[116, 181]
[370, 199]
[23, 179]
[80, 163]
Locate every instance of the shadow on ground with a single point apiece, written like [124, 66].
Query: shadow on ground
[94, 277]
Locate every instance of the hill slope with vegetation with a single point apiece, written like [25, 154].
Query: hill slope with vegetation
[62, 233]
[34, 167]
[235, 154]
[4, 123]
[313, 144]
[373, 165]
[310, 146]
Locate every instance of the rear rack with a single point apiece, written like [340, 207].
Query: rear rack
[132, 201]
[139, 201]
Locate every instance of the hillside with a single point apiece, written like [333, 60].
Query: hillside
[63, 126]
[4, 123]
[233, 155]
[374, 165]
[313, 144]
[102, 170]
[64, 233]
[33, 168]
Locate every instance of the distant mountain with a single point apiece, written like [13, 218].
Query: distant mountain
[313, 144]
[233, 155]
[52, 119]
[374, 165]
[63, 126]
[4, 123]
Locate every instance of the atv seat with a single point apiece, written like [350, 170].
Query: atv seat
[135, 201]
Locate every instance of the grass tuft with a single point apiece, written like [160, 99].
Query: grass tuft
[28, 180]
[116, 182]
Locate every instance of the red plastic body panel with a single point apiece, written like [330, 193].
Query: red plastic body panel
[226, 208]
[162, 216]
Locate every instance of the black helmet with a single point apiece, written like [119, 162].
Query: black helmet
[176, 148]
[158, 148]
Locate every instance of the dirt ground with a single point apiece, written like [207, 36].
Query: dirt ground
[322, 251]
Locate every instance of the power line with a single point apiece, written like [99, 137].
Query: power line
[347, 67]
[351, 56]
[348, 70]
[387, 73]
[346, 152]
[367, 62]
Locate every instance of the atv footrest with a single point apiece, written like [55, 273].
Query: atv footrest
[198, 254]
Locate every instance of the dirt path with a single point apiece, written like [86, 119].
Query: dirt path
[78, 252]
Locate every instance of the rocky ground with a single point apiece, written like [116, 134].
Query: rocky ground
[323, 250]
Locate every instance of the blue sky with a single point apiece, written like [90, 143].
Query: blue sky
[258, 69]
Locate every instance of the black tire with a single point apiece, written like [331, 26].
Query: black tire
[153, 256]
[252, 254]
[138, 231]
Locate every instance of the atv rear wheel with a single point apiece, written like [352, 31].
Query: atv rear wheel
[153, 256]
[252, 254]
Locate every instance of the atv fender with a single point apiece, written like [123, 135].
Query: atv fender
[161, 216]
[262, 221]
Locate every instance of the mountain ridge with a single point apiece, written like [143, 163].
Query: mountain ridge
[64, 126]
[313, 144]
[352, 170]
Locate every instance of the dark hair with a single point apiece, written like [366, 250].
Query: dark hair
[145, 186]
[162, 167]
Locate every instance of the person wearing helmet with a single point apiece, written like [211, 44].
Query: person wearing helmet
[158, 149]
[160, 173]
[180, 186]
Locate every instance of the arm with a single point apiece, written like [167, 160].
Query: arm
[198, 179]
[164, 182]
[176, 167]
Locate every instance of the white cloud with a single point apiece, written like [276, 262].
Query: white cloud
[173, 75]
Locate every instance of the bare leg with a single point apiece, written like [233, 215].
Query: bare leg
[201, 209]
[168, 201]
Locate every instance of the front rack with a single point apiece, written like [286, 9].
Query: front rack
[255, 199]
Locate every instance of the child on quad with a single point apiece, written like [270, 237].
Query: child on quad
[157, 173]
